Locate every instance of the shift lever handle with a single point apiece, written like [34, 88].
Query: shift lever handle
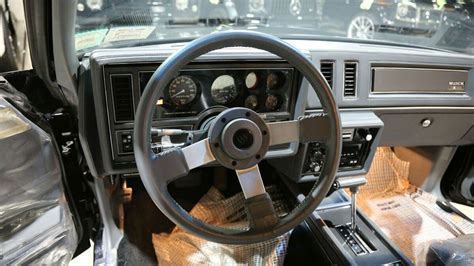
[353, 183]
[349, 182]
[353, 191]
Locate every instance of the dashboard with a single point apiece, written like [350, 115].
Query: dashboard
[387, 95]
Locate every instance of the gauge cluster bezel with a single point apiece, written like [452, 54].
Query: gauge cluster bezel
[204, 75]
[192, 120]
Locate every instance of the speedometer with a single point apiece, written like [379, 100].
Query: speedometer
[224, 90]
[182, 90]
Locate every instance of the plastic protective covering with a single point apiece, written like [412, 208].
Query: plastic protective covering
[406, 214]
[458, 251]
[36, 225]
[182, 248]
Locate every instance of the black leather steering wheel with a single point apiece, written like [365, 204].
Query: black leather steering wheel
[238, 139]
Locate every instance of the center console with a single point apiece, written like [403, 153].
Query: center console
[363, 245]
[342, 234]
[346, 235]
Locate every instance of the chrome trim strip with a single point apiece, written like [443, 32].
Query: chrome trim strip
[421, 68]
[417, 92]
[454, 108]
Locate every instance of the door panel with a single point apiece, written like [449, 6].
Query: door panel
[36, 225]
[457, 184]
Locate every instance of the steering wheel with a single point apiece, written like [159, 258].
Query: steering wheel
[238, 139]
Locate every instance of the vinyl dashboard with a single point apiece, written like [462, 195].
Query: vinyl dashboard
[242, 76]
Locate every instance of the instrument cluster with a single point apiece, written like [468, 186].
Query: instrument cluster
[193, 90]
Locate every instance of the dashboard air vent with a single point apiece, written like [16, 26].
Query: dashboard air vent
[123, 97]
[327, 69]
[350, 79]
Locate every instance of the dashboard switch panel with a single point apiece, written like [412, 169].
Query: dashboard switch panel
[355, 151]
[360, 135]
[125, 143]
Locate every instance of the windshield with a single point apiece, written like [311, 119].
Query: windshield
[440, 24]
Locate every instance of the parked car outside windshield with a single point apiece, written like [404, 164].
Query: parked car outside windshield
[444, 24]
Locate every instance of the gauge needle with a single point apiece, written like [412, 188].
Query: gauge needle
[178, 93]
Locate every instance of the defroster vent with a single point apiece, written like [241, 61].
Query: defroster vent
[350, 79]
[122, 92]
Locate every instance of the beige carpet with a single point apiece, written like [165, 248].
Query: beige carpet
[407, 215]
[182, 248]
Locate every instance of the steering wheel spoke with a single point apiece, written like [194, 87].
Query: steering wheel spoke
[160, 165]
[182, 160]
[198, 154]
[306, 129]
[258, 204]
[251, 181]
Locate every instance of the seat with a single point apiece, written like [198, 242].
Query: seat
[456, 251]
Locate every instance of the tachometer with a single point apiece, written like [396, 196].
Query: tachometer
[182, 90]
[224, 90]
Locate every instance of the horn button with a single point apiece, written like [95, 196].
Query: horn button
[239, 138]
[243, 139]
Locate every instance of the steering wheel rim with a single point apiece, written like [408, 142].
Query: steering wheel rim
[154, 178]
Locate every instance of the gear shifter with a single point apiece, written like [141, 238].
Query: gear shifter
[354, 191]
[353, 183]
